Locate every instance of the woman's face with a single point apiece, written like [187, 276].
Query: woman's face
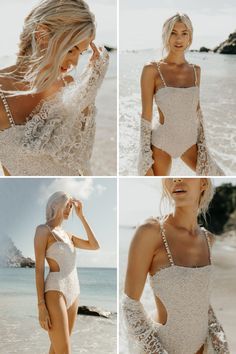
[67, 209]
[179, 38]
[185, 191]
[72, 57]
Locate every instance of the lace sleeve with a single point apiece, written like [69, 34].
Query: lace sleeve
[145, 160]
[216, 336]
[142, 329]
[206, 166]
[64, 126]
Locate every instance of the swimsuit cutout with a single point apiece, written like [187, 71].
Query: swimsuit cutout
[66, 279]
[185, 293]
[179, 108]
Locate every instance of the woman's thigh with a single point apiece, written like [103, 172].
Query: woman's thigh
[190, 157]
[72, 314]
[59, 332]
[162, 162]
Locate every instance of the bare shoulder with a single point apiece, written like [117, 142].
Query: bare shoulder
[149, 69]
[42, 232]
[147, 234]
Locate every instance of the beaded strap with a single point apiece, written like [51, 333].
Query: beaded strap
[163, 235]
[208, 242]
[195, 74]
[7, 109]
[161, 76]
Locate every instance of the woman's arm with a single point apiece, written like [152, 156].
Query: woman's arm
[147, 92]
[40, 244]
[142, 329]
[91, 243]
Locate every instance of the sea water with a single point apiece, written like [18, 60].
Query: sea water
[218, 104]
[20, 331]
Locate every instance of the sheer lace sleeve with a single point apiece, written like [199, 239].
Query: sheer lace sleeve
[206, 166]
[140, 328]
[145, 160]
[216, 341]
[64, 126]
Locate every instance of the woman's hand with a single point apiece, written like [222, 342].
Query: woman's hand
[96, 52]
[44, 318]
[78, 207]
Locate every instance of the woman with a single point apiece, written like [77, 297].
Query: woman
[58, 296]
[47, 117]
[176, 252]
[174, 85]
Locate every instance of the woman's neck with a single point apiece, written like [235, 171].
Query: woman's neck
[186, 218]
[173, 58]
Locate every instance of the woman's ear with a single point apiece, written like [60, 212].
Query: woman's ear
[204, 184]
[41, 35]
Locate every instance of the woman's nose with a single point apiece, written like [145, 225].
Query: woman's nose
[177, 180]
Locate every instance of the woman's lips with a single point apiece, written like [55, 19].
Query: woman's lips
[179, 191]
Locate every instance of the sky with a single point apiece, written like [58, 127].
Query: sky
[22, 208]
[141, 21]
[13, 13]
[139, 198]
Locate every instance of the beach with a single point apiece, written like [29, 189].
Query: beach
[217, 102]
[104, 159]
[223, 297]
[20, 331]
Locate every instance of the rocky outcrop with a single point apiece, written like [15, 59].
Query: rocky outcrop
[10, 256]
[93, 311]
[204, 50]
[228, 46]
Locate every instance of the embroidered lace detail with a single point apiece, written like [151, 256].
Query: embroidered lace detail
[216, 337]
[66, 279]
[206, 166]
[145, 160]
[60, 134]
[141, 328]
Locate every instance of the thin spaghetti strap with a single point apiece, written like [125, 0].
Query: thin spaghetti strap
[163, 235]
[7, 109]
[195, 74]
[51, 232]
[160, 73]
[208, 243]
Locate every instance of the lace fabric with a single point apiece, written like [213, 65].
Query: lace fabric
[141, 328]
[59, 137]
[206, 165]
[145, 160]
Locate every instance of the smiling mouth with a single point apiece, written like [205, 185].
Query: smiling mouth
[178, 46]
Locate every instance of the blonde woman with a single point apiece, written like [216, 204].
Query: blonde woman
[174, 85]
[58, 295]
[47, 117]
[176, 253]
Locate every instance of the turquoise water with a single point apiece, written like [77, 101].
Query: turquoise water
[98, 285]
[218, 104]
[20, 331]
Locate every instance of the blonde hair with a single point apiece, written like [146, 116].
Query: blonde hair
[169, 25]
[204, 200]
[56, 205]
[67, 23]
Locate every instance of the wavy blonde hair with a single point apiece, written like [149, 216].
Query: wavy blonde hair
[169, 25]
[66, 23]
[56, 205]
[204, 199]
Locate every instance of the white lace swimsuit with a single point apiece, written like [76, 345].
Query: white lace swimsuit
[58, 136]
[180, 128]
[63, 252]
[185, 293]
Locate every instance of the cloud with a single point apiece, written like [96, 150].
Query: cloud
[77, 188]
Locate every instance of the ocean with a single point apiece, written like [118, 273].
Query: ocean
[20, 331]
[218, 104]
